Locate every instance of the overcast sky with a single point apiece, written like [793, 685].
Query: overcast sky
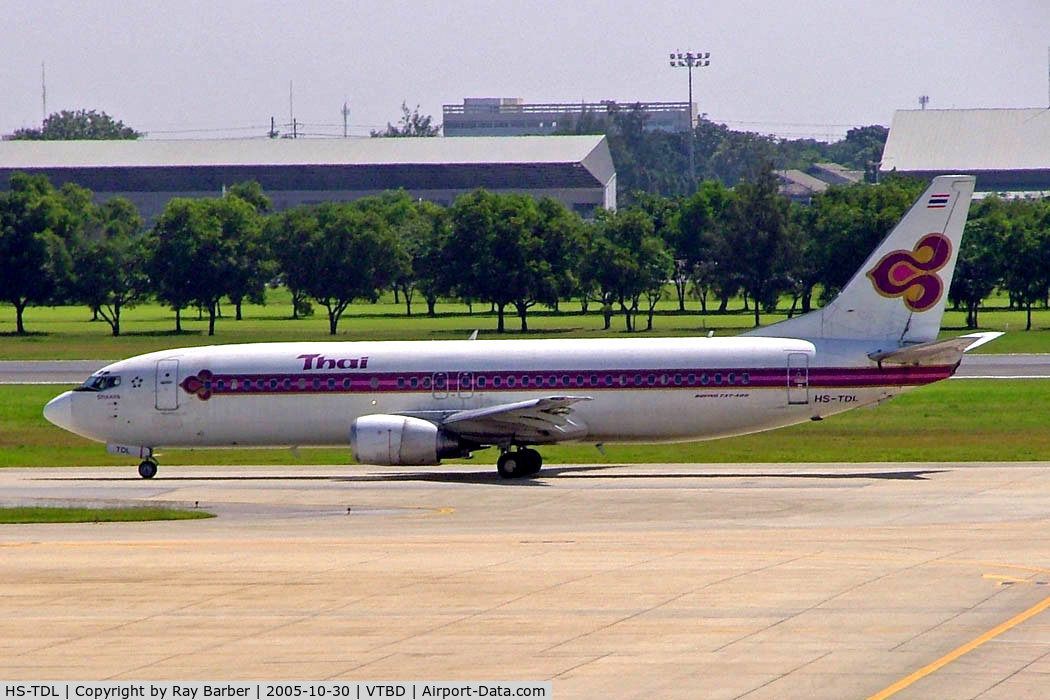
[804, 68]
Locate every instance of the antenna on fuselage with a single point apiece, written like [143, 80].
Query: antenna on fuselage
[474, 335]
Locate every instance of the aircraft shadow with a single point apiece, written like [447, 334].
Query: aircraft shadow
[597, 472]
[489, 476]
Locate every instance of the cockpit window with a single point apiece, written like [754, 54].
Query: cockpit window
[100, 382]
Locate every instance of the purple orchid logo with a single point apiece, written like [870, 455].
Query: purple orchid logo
[199, 384]
[910, 273]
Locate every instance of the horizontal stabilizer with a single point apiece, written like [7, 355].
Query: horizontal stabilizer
[939, 352]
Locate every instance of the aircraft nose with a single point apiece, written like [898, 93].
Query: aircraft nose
[59, 411]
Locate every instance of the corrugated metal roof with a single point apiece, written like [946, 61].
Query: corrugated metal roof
[967, 140]
[353, 151]
[804, 181]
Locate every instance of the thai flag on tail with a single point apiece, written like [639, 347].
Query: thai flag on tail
[938, 201]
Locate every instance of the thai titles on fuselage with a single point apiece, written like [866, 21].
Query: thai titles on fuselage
[318, 361]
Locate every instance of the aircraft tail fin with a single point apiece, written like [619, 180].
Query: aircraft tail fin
[898, 294]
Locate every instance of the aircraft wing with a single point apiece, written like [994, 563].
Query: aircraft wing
[939, 352]
[534, 421]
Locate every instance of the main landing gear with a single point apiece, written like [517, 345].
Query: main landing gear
[148, 468]
[518, 463]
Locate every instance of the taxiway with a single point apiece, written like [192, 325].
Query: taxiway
[693, 581]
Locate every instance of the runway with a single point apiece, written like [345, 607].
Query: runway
[691, 581]
[76, 371]
[1004, 366]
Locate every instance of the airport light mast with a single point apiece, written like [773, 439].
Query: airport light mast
[690, 60]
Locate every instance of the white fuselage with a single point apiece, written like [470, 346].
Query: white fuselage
[654, 389]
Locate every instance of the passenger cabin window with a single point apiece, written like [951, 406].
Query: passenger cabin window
[101, 382]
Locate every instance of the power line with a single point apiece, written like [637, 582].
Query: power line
[206, 129]
[778, 123]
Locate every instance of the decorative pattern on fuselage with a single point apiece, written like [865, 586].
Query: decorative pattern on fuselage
[206, 384]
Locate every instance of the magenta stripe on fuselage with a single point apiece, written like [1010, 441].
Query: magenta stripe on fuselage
[206, 384]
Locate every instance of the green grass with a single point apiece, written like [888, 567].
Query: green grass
[47, 514]
[66, 332]
[959, 420]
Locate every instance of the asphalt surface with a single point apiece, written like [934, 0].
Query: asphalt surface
[48, 371]
[669, 581]
[76, 371]
[1005, 366]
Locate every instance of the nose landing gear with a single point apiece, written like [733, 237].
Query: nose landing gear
[148, 468]
[519, 463]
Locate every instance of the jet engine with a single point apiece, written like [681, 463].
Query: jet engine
[403, 440]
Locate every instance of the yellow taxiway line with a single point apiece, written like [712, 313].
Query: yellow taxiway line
[960, 651]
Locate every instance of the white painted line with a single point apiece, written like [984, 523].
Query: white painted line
[1002, 376]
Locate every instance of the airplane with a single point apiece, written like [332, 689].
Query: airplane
[417, 403]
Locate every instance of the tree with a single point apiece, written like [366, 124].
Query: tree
[656, 265]
[1027, 241]
[252, 266]
[252, 193]
[35, 264]
[597, 277]
[403, 216]
[411, 124]
[233, 263]
[171, 253]
[486, 249]
[861, 149]
[802, 269]
[198, 251]
[508, 250]
[646, 160]
[979, 267]
[287, 237]
[656, 162]
[665, 213]
[623, 260]
[349, 250]
[81, 124]
[110, 263]
[738, 155]
[421, 239]
[560, 232]
[756, 240]
[691, 237]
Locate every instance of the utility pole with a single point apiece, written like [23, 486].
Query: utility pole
[43, 93]
[923, 101]
[346, 115]
[291, 111]
[691, 60]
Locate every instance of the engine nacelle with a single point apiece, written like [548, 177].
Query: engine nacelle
[402, 440]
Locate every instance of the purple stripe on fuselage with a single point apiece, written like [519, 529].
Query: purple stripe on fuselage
[206, 384]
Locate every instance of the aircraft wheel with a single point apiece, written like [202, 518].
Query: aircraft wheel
[510, 465]
[532, 460]
[148, 469]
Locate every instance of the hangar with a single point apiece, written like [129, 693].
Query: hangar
[577, 170]
[1007, 149]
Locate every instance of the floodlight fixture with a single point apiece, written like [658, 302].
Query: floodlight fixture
[690, 60]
